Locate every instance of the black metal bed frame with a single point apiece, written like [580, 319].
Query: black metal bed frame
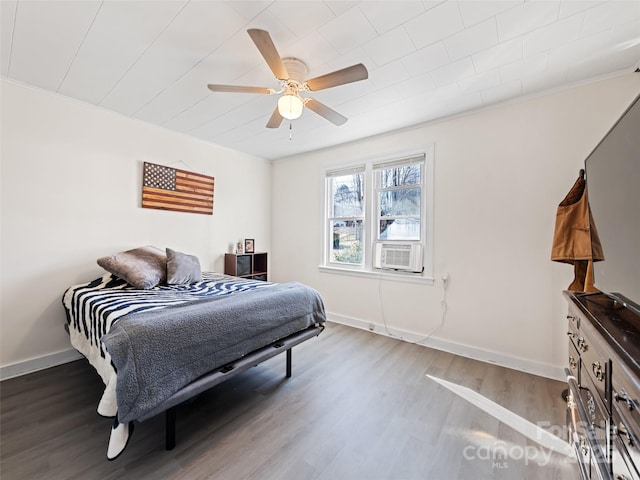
[226, 372]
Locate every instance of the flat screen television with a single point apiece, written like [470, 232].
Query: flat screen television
[613, 189]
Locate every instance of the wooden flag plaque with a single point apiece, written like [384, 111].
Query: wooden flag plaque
[167, 188]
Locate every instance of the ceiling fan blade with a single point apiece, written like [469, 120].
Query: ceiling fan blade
[240, 89]
[275, 120]
[326, 112]
[263, 41]
[354, 73]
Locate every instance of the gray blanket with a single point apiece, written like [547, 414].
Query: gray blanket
[156, 353]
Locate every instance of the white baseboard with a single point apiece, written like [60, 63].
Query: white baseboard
[40, 363]
[488, 356]
[508, 361]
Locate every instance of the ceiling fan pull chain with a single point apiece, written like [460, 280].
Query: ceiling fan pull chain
[290, 129]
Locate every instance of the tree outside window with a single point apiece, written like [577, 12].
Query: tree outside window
[346, 219]
[399, 202]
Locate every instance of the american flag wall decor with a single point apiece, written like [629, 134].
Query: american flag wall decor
[167, 188]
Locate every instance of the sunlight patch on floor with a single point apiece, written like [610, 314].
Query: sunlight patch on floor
[523, 426]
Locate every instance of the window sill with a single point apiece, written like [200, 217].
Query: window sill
[381, 275]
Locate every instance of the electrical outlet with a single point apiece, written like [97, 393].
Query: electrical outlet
[372, 327]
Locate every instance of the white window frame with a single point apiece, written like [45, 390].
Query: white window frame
[371, 219]
[329, 216]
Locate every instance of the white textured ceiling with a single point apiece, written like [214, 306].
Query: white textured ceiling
[152, 60]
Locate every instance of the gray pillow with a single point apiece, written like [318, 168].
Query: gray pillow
[182, 268]
[143, 267]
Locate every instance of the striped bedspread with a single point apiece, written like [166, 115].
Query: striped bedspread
[93, 308]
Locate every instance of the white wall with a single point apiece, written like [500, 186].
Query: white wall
[70, 192]
[71, 187]
[499, 175]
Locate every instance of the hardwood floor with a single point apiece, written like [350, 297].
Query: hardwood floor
[359, 406]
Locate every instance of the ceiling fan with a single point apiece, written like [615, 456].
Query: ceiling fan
[291, 73]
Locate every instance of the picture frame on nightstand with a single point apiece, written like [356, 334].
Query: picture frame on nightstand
[249, 245]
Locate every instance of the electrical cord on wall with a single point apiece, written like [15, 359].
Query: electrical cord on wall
[384, 320]
[443, 303]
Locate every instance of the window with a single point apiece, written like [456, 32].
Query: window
[346, 216]
[386, 201]
[398, 189]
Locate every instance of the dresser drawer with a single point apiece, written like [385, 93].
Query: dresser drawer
[574, 361]
[573, 333]
[586, 426]
[626, 451]
[595, 364]
[573, 320]
[625, 398]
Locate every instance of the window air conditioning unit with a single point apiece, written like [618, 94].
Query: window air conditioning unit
[399, 256]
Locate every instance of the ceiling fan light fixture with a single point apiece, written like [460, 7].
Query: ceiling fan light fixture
[292, 75]
[290, 106]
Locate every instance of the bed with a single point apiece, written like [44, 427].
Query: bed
[157, 347]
